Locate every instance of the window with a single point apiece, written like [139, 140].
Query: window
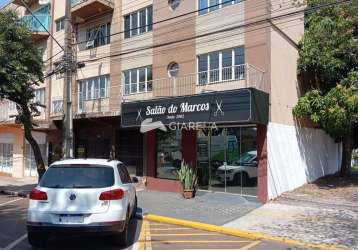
[60, 24]
[206, 6]
[220, 66]
[169, 155]
[6, 151]
[12, 106]
[123, 173]
[173, 4]
[40, 96]
[98, 36]
[173, 69]
[138, 22]
[57, 106]
[138, 80]
[93, 88]
[78, 176]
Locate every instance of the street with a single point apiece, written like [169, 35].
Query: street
[143, 235]
[13, 230]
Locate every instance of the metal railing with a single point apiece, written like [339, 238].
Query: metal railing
[34, 24]
[235, 77]
[57, 107]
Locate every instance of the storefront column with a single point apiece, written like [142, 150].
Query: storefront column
[154, 183]
[262, 163]
[189, 146]
[150, 151]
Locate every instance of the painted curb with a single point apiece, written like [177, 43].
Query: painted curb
[237, 232]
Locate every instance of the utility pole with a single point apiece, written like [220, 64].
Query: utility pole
[67, 87]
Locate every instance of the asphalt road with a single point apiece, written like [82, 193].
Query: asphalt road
[13, 230]
[144, 235]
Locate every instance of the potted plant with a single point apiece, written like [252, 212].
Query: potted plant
[188, 179]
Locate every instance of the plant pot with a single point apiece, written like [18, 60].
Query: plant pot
[189, 194]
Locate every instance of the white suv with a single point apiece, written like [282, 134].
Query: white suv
[82, 196]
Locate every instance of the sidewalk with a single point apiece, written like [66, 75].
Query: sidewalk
[17, 186]
[206, 207]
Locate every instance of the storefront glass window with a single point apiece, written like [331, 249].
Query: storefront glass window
[227, 160]
[169, 155]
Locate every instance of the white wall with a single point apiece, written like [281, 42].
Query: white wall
[297, 156]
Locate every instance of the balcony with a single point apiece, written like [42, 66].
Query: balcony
[83, 9]
[229, 78]
[34, 24]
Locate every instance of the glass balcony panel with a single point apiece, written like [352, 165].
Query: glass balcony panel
[34, 22]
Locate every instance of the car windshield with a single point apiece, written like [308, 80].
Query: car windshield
[78, 176]
[246, 157]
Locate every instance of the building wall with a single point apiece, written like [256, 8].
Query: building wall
[297, 156]
[17, 137]
[297, 153]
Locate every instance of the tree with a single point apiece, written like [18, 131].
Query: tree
[328, 60]
[20, 70]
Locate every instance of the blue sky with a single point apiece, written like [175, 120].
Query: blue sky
[3, 2]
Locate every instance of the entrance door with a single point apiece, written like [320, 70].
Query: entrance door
[227, 160]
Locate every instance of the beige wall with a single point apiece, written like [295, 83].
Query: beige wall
[183, 53]
[218, 20]
[115, 61]
[284, 55]
[18, 148]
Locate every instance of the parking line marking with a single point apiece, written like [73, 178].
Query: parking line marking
[8, 202]
[141, 239]
[14, 243]
[172, 228]
[200, 241]
[251, 245]
[194, 234]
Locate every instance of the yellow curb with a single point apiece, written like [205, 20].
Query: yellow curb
[237, 232]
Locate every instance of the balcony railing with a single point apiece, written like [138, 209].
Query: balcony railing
[34, 24]
[228, 78]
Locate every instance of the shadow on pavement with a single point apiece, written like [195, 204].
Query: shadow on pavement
[93, 241]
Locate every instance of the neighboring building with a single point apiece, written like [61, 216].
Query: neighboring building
[221, 62]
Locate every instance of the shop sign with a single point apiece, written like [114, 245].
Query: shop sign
[215, 107]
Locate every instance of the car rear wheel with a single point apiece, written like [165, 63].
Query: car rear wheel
[134, 210]
[36, 239]
[121, 238]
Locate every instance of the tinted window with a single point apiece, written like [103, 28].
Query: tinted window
[78, 176]
[123, 173]
[127, 26]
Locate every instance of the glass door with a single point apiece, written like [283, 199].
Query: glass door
[227, 160]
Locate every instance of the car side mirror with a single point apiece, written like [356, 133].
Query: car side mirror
[135, 179]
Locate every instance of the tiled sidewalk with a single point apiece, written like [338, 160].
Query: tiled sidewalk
[206, 207]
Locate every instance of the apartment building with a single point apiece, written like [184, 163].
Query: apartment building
[220, 76]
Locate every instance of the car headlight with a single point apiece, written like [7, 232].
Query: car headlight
[229, 171]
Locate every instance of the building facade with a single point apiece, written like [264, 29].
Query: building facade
[217, 78]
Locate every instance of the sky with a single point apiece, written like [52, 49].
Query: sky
[3, 2]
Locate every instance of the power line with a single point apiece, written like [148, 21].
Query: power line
[165, 20]
[262, 21]
[165, 33]
[135, 57]
[32, 14]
